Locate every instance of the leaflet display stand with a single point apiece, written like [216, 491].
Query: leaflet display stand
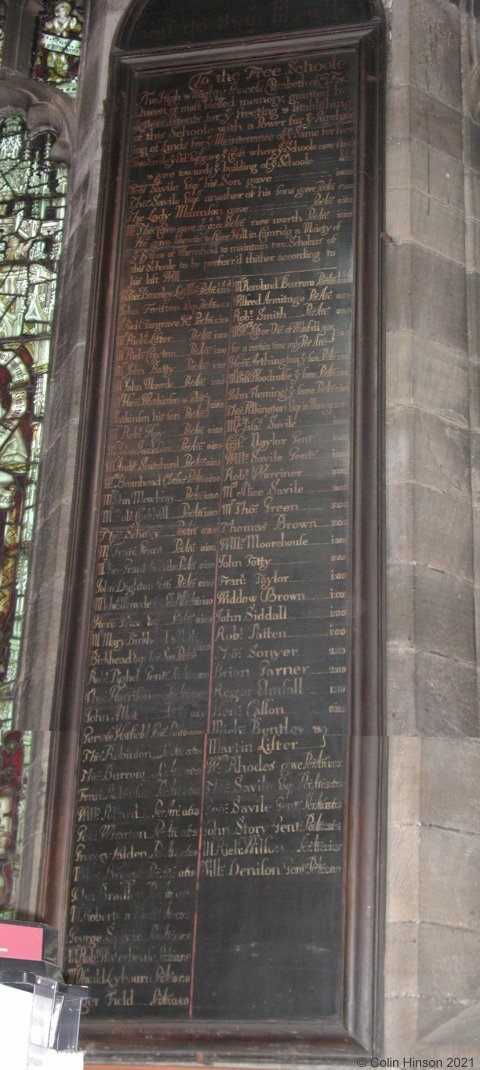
[40, 1013]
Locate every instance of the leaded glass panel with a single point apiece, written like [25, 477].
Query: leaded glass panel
[32, 206]
[2, 31]
[58, 46]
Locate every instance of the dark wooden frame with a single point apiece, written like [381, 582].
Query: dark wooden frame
[108, 1042]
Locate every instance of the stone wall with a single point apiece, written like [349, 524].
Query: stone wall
[432, 258]
[433, 939]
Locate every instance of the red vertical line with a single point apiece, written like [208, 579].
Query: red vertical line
[211, 668]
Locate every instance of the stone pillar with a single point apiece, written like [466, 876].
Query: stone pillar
[433, 937]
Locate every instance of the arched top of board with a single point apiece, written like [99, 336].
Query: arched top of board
[157, 24]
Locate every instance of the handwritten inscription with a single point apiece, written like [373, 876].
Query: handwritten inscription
[213, 748]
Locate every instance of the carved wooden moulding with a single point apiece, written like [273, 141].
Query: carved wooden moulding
[217, 876]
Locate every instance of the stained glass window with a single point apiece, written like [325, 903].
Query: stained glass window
[32, 207]
[12, 758]
[58, 46]
[2, 28]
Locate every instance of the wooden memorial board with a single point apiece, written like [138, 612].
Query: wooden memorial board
[219, 858]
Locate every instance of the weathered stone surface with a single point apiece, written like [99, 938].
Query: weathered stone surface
[438, 298]
[446, 696]
[65, 391]
[440, 379]
[426, 292]
[36, 684]
[398, 67]
[474, 188]
[401, 527]
[437, 226]
[448, 973]
[398, 260]
[435, 67]
[431, 528]
[449, 867]
[400, 1016]
[449, 779]
[401, 960]
[442, 537]
[412, 215]
[444, 1027]
[400, 604]
[474, 137]
[427, 374]
[400, 691]
[403, 874]
[458, 1031]
[438, 175]
[444, 614]
[76, 290]
[414, 114]
[412, 163]
[95, 70]
[398, 164]
[405, 754]
[428, 450]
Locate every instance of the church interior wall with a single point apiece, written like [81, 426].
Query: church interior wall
[430, 983]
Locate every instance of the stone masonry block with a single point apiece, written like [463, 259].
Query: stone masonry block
[438, 227]
[405, 765]
[432, 528]
[429, 450]
[444, 614]
[399, 59]
[449, 867]
[427, 374]
[400, 1031]
[413, 215]
[442, 532]
[446, 696]
[400, 692]
[440, 379]
[403, 874]
[401, 960]
[439, 298]
[437, 175]
[435, 50]
[400, 522]
[414, 114]
[449, 778]
[426, 292]
[400, 604]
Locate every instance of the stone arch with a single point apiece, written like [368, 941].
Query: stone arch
[43, 107]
